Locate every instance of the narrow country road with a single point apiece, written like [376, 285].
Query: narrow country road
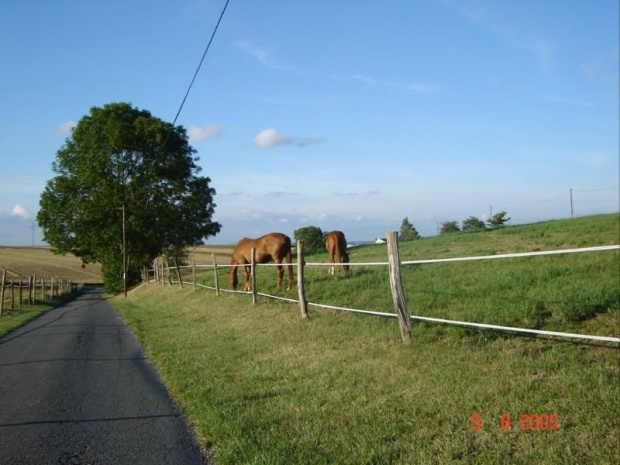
[75, 388]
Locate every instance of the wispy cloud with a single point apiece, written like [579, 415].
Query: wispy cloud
[397, 87]
[274, 194]
[65, 129]
[262, 56]
[567, 101]
[592, 160]
[198, 133]
[507, 29]
[270, 138]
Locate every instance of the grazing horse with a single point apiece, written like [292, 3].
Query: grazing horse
[273, 246]
[336, 245]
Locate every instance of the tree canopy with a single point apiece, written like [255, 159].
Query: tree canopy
[498, 220]
[407, 231]
[449, 227]
[473, 224]
[312, 237]
[119, 157]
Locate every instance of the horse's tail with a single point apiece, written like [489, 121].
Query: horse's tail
[288, 257]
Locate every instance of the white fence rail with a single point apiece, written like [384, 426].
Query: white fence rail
[160, 276]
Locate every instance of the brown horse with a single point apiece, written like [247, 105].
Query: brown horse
[336, 245]
[273, 246]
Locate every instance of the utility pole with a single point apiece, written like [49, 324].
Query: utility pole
[124, 256]
[572, 214]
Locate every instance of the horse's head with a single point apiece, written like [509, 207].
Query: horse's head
[232, 278]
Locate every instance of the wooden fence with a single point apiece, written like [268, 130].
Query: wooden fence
[162, 273]
[17, 293]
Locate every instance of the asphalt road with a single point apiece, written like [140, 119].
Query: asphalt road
[75, 388]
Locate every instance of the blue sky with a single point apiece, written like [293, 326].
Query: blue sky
[345, 115]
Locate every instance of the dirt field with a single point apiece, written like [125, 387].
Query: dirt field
[20, 262]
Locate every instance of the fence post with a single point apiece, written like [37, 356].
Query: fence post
[34, 290]
[303, 303]
[29, 290]
[217, 286]
[253, 265]
[176, 265]
[168, 271]
[21, 286]
[12, 295]
[194, 271]
[2, 292]
[397, 287]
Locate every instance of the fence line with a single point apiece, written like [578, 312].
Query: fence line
[32, 290]
[398, 288]
[438, 260]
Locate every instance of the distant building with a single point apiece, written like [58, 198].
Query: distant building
[379, 240]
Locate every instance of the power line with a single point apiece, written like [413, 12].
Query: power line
[200, 64]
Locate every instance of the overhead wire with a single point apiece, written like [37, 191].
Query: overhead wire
[201, 60]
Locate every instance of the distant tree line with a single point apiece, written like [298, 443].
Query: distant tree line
[475, 224]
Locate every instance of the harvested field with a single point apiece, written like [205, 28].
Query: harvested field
[20, 262]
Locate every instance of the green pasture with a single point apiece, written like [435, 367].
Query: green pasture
[262, 385]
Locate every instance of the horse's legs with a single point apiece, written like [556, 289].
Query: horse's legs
[331, 269]
[246, 272]
[280, 275]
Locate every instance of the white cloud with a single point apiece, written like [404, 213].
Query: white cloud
[21, 211]
[198, 133]
[272, 138]
[65, 128]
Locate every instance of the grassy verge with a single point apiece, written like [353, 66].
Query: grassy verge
[263, 385]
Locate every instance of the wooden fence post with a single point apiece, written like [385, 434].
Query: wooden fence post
[253, 267]
[2, 291]
[21, 286]
[217, 286]
[29, 290]
[303, 303]
[12, 295]
[176, 265]
[194, 271]
[168, 271]
[34, 290]
[397, 287]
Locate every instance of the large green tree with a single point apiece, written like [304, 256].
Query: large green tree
[119, 157]
[312, 237]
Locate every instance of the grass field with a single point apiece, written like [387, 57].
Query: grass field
[262, 385]
[21, 262]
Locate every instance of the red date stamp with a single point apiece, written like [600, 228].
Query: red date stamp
[528, 422]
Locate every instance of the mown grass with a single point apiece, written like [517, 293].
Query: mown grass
[262, 385]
